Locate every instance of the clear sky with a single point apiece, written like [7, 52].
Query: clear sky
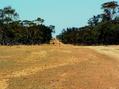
[61, 13]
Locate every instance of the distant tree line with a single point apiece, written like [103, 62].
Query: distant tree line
[101, 29]
[14, 31]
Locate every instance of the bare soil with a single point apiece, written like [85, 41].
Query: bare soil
[59, 67]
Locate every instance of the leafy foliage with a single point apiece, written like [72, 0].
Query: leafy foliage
[102, 29]
[14, 31]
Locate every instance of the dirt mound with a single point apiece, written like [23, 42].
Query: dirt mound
[55, 42]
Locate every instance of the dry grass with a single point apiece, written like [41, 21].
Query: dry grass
[111, 51]
[59, 67]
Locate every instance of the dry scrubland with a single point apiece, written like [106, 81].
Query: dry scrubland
[59, 67]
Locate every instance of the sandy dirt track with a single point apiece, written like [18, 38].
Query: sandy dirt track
[62, 67]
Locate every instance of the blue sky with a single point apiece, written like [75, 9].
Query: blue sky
[61, 13]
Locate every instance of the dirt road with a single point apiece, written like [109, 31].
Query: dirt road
[62, 67]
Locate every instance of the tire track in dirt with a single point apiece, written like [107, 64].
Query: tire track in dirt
[110, 51]
[34, 69]
[27, 72]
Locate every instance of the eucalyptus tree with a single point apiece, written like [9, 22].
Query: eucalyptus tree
[39, 21]
[110, 9]
[94, 20]
[15, 31]
[9, 14]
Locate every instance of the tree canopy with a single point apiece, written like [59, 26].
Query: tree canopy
[14, 31]
[101, 29]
